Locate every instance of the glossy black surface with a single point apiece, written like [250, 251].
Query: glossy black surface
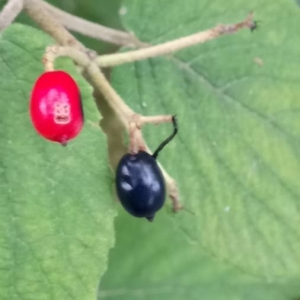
[140, 185]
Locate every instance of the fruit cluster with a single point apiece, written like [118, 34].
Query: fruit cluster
[57, 115]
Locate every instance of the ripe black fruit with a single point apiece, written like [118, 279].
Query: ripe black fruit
[140, 183]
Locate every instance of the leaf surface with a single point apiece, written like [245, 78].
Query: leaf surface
[57, 212]
[236, 159]
[155, 261]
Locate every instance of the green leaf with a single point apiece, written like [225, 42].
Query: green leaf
[56, 224]
[236, 159]
[155, 261]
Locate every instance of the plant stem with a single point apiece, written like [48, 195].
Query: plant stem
[45, 20]
[96, 77]
[99, 81]
[10, 11]
[92, 29]
[175, 45]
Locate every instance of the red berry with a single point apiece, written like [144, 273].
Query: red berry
[55, 107]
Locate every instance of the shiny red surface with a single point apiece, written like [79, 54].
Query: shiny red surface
[55, 107]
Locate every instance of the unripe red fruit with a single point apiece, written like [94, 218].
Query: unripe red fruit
[55, 107]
